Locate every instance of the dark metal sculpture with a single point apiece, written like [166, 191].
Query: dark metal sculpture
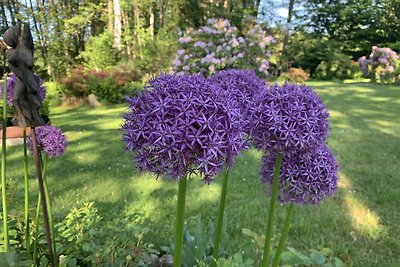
[27, 103]
[20, 60]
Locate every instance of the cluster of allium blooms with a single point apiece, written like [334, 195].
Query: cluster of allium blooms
[51, 140]
[11, 82]
[288, 118]
[241, 87]
[180, 125]
[381, 61]
[305, 178]
[218, 45]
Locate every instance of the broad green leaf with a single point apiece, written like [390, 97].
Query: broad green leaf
[338, 262]
[317, 257]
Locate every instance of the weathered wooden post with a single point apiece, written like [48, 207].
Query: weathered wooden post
[26, 101]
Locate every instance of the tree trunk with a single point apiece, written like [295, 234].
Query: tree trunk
[110, 13]
[11, 12]
[39, 33]
[162, 13]
[117, 24]
[127, 32]
[16, 7]
[136, 15]
[3, 15]
[284, 64]
[151, 10]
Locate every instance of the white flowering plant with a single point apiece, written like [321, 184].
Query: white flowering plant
[218, 45]
[380, 65]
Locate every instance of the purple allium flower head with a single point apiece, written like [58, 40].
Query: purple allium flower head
[241, 86]
[181, 125]
[305, 178]
[51, 140]
[12, 80]
[287, 118]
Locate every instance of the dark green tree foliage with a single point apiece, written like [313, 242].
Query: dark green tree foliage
[387, 24]
[348, 27]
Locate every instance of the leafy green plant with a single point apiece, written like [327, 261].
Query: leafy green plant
[337, 65]
[198, 244]
[237, 260]
[13, 259]
[99, 52]
[78, 231]
[86, 240]
[323, 257]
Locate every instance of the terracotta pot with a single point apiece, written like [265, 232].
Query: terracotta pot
[15, 132]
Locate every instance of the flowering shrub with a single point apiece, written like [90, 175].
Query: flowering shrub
[295, 75]
[51, 140]
[305, 178]
[182, 125]
[380, 64]
[218, 46]
[110, 85]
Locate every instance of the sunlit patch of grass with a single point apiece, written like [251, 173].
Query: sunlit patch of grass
[363, 219]
[344, 182]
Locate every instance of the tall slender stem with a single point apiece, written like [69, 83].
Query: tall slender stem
[46, 190]
[218, 230]
[36, 233]
[271, 213]
[3, 167]
[284, 235]
[43, 196]
[26, 185]
[180, 215]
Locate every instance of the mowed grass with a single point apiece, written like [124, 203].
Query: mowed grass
[360, 224]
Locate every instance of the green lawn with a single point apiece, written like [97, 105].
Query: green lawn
[360, 224]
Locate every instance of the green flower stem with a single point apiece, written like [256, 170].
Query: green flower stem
[284, 235]
[271, 213]
[36, 233]
[180, 215]
[26, 185]
[218, 230]
[3, 168]
[46, 191]
[43, 195]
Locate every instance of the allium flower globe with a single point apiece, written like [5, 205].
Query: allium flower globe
[288, 118]
[51, 140]
[11, 82]
[181, 125]
[305, 178]
[241, 87]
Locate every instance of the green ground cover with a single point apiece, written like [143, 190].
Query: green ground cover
[360, 224]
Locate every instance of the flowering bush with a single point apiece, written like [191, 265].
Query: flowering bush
[218, 46]
[182, 125]
[110, 84]
[380, 64]
[51, 140]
